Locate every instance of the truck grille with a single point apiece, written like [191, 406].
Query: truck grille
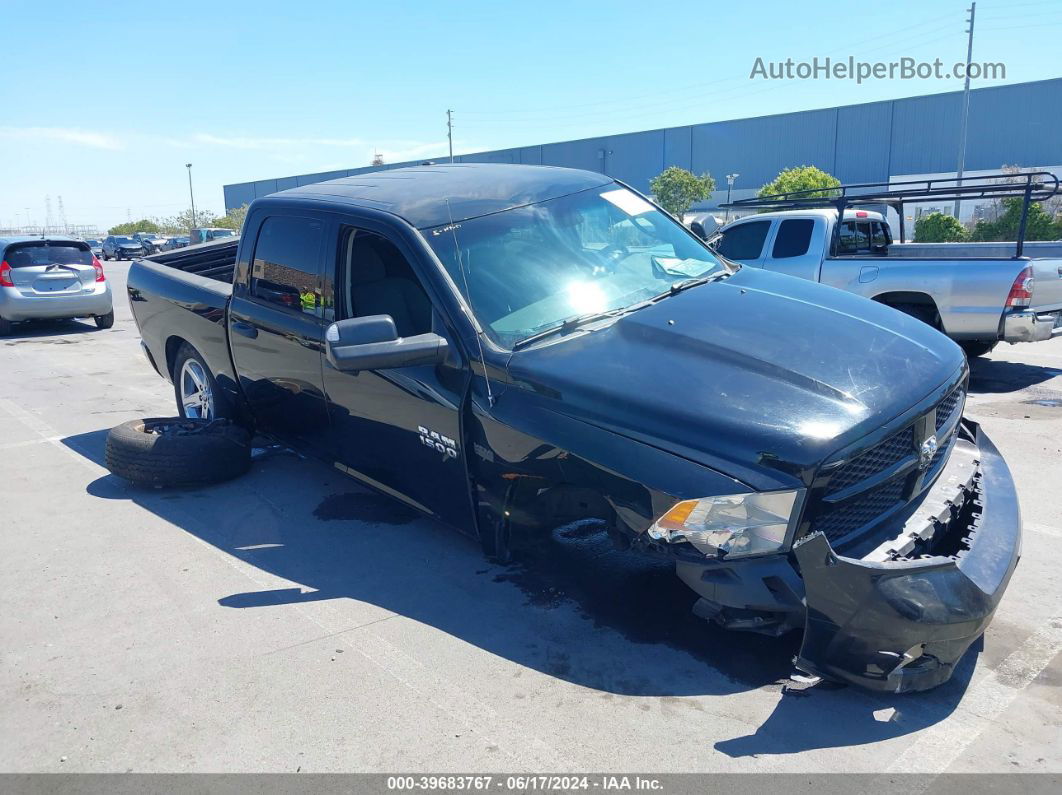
[875, 460]
[841, 519]
[947, 406]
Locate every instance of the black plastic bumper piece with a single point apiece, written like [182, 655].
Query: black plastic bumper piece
[902, 625]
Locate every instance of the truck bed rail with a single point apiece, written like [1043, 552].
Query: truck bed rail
[215, 260]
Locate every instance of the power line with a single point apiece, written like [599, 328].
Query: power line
[691, 86]
[1038, 26]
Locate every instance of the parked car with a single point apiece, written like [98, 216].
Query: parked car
[206, 234]
[176, 241]
[978, 294]
[151, 241]
[51, 278]
[120, 247]
[509, 349]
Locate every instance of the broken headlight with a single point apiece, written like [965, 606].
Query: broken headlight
[731, 525]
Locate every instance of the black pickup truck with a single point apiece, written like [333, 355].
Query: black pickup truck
[511, 348]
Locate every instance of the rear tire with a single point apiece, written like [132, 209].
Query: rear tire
[177, 452]
[6, 327]
[195, 388]
[104, 321]
[973, 349]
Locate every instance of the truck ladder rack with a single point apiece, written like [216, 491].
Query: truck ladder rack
[1029, 186]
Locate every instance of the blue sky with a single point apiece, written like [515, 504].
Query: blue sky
[105, 103]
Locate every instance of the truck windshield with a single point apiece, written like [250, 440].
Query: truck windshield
[532, 268]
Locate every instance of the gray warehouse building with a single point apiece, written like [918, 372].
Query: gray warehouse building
[1018, 124]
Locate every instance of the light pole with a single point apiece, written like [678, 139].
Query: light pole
[191, 195]
[729, 187]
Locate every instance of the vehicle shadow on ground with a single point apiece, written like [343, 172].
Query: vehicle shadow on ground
[995, 376]
[50, 330]
[572, 608]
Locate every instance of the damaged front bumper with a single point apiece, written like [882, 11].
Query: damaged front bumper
[893, 615]
[900, 618]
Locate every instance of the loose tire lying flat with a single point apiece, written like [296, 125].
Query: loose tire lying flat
[174, 451]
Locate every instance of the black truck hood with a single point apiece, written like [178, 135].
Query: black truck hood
[756, 375]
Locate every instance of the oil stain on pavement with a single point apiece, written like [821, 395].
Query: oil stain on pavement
[363, 507]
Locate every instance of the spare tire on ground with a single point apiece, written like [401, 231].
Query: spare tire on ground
[176, 451]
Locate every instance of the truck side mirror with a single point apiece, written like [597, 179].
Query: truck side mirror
[372, 343]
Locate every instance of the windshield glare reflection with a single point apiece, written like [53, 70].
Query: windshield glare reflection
[532, 268]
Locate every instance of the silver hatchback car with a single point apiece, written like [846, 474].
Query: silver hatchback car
[51, 278]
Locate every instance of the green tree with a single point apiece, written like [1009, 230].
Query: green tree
[181, 223]
[1039, 226]
[802, 178]
[676, 189]
[939, 228]
[143, 225]
[233, 219]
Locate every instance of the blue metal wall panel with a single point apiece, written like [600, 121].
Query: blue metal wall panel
[862, 145]
[678, 147]
[239, 195]
[497, 156]
[588, 153]
[759, 148]
[264, 187]
[635, 158]
[531, 155]
[1016, 124]
[925, 133]
[1021, 125]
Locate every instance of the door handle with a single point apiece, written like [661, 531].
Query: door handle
[246, 329]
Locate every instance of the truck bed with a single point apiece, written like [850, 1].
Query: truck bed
[214, 260]
[182, 296]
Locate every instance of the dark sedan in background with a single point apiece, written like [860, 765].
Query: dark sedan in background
[120, 247]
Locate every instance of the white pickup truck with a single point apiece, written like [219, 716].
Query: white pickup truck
[977, 293]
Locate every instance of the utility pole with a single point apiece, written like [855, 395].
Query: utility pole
[965, 103]
[191, 195]
[450, 132]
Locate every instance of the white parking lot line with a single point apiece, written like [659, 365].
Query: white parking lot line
[937, 747]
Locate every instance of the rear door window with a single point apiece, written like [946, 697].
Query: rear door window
[744, 241]
[793, 238]
[28, 255]
[286, 267]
